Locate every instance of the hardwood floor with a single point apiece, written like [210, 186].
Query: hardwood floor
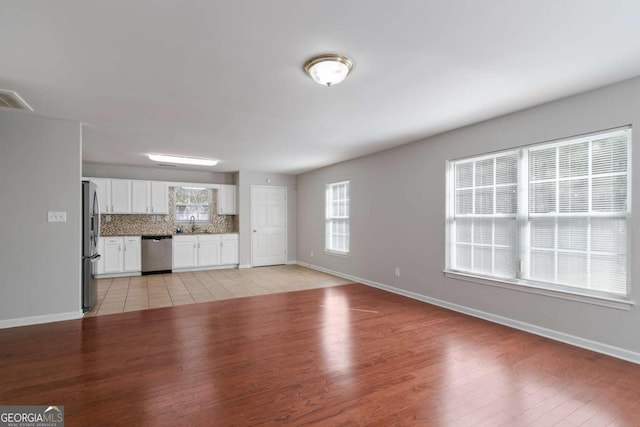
[345, 355]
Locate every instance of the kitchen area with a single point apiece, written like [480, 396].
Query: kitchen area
[151, 227]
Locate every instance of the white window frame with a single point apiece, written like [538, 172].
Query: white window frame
[622, 302]
[330, 218]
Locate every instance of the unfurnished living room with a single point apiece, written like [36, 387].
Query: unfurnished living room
[319, 213]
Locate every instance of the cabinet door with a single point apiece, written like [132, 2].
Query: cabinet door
[100, 263]
[159, 198]
[227, 200]
[120, 196]
[104, 193]
[113, 255]
[229, 250]
[139, 197]
[209, 252]
[132, 254]
[184, 254]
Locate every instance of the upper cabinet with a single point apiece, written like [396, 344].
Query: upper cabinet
[120, 196]
[126, 196]
[149, 197]
[227, 200]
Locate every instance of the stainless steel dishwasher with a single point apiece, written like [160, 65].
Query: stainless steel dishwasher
[157, 254]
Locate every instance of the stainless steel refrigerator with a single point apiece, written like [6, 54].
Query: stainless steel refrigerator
[90, 236]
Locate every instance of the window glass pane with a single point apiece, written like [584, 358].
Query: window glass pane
[609, 235]
[507, 199]
[542, 197]
[484, 172]
[573, 234]
[464, 202]
[507, 169]
[505, 232]
[484, 200]
[337, 222]
[542, 164]
[192, 202]
[483, 231]
[464, 175]
[574, 160]
[482, 259]
[609, 155]
[572, 269]
[543, 233]
[609, 273]
[574, 195]
[463, 230]
[505, 262]
[610, 194]
[463, 258]
[542, 266]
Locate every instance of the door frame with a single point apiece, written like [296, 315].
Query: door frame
[286, 219]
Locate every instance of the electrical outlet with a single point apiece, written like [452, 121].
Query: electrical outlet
[397, 272]
[107, 218]
[56, 216]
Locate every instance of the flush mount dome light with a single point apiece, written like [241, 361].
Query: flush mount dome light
[328, 69]
[182, 160]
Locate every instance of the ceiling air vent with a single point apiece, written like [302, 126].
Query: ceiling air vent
[10, 99]
[167, 165]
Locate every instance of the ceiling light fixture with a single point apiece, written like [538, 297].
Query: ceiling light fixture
[328, 69]
[182, 160]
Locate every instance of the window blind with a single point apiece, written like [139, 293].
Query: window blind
[553, 214]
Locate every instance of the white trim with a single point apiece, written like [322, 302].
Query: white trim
[598, 347]
[114, 275]
[611, 302]
[36, 320]
[245, 266]
[209, 267]
[337, 253]
[291, 262]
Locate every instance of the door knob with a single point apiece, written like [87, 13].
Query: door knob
[254, 230]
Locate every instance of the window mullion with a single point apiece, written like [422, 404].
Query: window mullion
[523, 214]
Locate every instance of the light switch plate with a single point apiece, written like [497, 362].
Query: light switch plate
[56, 216]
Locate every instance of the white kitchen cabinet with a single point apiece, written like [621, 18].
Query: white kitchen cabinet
[100, 263]
[204, 250]
[120, 255]
[103, 188]
[120, 196]
[139, 197]
[208, 250]
[228, 249]
[185, 250]
[132, 254]
[149, 197]
[227, 200]
[113, 261]
[158, 197]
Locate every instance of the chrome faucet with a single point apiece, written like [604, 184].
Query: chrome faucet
[192, 221]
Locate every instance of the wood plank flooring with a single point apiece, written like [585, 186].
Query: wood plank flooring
[338, 356]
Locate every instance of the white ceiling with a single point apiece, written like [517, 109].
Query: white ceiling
[224, 79]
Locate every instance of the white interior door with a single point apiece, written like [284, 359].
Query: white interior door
[268, 225]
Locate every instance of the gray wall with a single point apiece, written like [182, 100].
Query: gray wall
[99, 170]
[245, 180]
[398, 215]
[40, 262]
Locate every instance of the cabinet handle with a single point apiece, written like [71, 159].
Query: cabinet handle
[111, 208]
[221, 244]
[151, 209]
[198, 245]
[147, 210]
[119, 248]
[194, 246]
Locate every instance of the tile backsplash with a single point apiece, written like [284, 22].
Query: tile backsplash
[135, 225]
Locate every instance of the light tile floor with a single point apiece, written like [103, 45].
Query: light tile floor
[165, 290]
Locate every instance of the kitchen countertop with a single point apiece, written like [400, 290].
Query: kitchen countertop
[161, 234]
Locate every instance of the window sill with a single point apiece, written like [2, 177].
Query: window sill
[336, 253]
[610, 302]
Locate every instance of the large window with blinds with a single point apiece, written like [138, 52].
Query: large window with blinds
[552, 215]
[337, 218]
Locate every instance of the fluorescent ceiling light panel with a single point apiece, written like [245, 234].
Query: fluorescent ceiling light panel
[182, 160]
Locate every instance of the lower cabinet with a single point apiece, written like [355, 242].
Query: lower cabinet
[120, 255]
[228, 249]
[204, 250]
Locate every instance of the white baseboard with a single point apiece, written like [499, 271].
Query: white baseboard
[292, 262]
[598, 347]
[35, 320]
[245, 266]
[115, 275]
[211, 267]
